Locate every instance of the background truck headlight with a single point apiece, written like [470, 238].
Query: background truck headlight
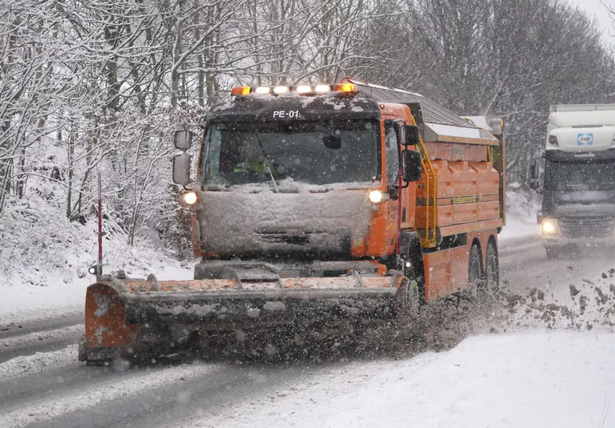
[548, 227]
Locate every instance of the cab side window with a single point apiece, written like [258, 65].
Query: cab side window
[392, 153]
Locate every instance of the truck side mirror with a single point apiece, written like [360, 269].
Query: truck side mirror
[181, 169]
[535, 176]
[535, 185]
[534, 170]
[496, 124]
[411, 166]
[183, 140]
[411, 135]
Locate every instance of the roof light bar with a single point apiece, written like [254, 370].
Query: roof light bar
[304, 89]
[263, 90]
[347, 88]
[281, 90]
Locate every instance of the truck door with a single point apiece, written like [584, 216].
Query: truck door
[392, 179]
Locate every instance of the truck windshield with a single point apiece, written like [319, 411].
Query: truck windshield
[580, 176]
[323, 152]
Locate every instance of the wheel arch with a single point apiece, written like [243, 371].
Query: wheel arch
[412, 251]
[411, 246]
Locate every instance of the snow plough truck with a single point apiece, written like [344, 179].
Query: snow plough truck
[314, 204]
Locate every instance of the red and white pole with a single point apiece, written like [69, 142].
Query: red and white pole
[100, 231]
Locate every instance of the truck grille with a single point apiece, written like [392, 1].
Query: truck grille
[285, 238]
[587, 226]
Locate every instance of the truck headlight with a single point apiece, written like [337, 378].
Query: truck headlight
[548, 226]
[189, 198]
[378, 196]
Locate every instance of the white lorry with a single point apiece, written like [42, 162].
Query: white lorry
[578, 185]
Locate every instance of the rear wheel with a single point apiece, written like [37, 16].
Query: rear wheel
[475, 274]
[492, 268]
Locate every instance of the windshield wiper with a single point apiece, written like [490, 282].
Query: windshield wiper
[575, 187]
[275, 185]
[216, 187]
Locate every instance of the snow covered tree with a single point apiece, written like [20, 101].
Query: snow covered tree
[99, 85]
[475, 58]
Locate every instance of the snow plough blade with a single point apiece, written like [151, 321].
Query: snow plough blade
[137, 319]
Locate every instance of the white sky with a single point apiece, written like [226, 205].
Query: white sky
[598, 10]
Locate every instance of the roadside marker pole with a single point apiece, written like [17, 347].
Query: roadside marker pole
[100, 232]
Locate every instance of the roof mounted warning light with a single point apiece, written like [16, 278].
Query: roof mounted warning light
[240, 90]
[320, 89]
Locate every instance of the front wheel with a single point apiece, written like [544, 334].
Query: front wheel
[408, 298]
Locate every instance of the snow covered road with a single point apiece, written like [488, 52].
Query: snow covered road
[40, 337]
[527, 377]
[531, 379]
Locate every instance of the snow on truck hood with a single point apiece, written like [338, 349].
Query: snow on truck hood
[255, 219]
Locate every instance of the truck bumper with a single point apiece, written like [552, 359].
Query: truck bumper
[557, 234]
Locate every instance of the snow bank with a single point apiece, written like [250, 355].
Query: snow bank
[521, 208]
[522, 205]
[44, 259]
[519, 229]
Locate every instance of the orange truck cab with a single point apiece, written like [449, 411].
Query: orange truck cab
[342, 192]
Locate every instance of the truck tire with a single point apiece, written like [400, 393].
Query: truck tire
[416, 270]
[492, 268]
[408, 298]
[552, 253]
[475, 271]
